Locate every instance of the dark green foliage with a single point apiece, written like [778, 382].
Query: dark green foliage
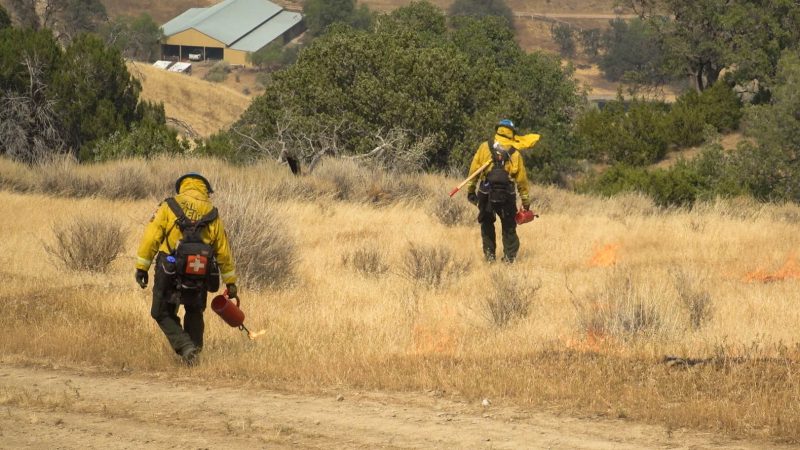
[221, 145]
[713, 173]
[30, 126]
[57, 100]
[680, 185]
[633, 133]
[319, 14]
[704, 37]
[350, 91]
[591, 41]
[770, 167]
[483, 8]
[420, 21]
[19, 46]
[692, 112]
[274, 56]
[96, 94]
[5, 19]
[135, 37]
[632, 50]
[564, 36]
[145, 140]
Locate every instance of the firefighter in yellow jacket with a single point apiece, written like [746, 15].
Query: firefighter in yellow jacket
[493, 191]
[187, 240]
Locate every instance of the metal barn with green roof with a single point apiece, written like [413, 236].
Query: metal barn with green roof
[229, 31]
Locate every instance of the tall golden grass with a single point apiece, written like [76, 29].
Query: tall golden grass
[586, 335]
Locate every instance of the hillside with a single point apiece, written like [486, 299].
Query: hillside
[161, 11]
[533, 23]
[532, 33]
[206, 107]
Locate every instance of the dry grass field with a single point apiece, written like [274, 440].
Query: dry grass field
[207, 107]
[160, 11]
[615, 308]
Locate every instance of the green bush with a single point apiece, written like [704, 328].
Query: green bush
[219, 145]
[483, 8]
[633, 133]
[565, 38]
[320, 14]
[717, 106]
[713, 173]
[145, 140]
[350, 88]
[632, 49]
[680, 185]
[218, 72]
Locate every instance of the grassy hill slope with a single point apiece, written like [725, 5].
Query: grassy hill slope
[206, 107]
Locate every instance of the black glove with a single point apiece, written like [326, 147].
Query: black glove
[232, 291]
[141, 278]
[472, 198]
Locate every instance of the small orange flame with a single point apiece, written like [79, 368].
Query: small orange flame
[605, 256]
[593, 342]
[253, 336]
[435, 339]
[789, 271]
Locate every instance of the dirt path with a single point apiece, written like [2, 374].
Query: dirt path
[43, 408]
[596, 16]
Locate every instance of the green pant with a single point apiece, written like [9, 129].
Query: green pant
[166, 301]
[487, 217]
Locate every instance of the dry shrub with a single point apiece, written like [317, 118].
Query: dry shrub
[452, 211]
[387, 188]
[431, 265]
[131, 180]
[693, 297]
[64, 177]
[87, 244]
[15, 176]
[264, 251]
[366, 261]
[363, 181]
[625, 308]
[510, 297]
[343, 178]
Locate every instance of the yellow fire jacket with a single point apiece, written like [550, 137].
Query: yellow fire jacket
[515, 165]
[162, 233]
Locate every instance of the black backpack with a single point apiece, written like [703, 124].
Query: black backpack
[501, 188]
[195, 262]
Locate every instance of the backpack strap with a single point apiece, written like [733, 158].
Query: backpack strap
[176, 209]
[184, 223]
[182, 218]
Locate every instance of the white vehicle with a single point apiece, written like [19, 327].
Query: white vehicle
[195, 56]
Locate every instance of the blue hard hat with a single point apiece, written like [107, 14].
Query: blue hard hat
[192, 175]
[506, 123]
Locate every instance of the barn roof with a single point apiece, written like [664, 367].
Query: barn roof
[268, 31]
[246, 23]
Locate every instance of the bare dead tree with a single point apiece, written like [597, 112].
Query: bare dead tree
[29, 126]
[398, 150]
[296, 139]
